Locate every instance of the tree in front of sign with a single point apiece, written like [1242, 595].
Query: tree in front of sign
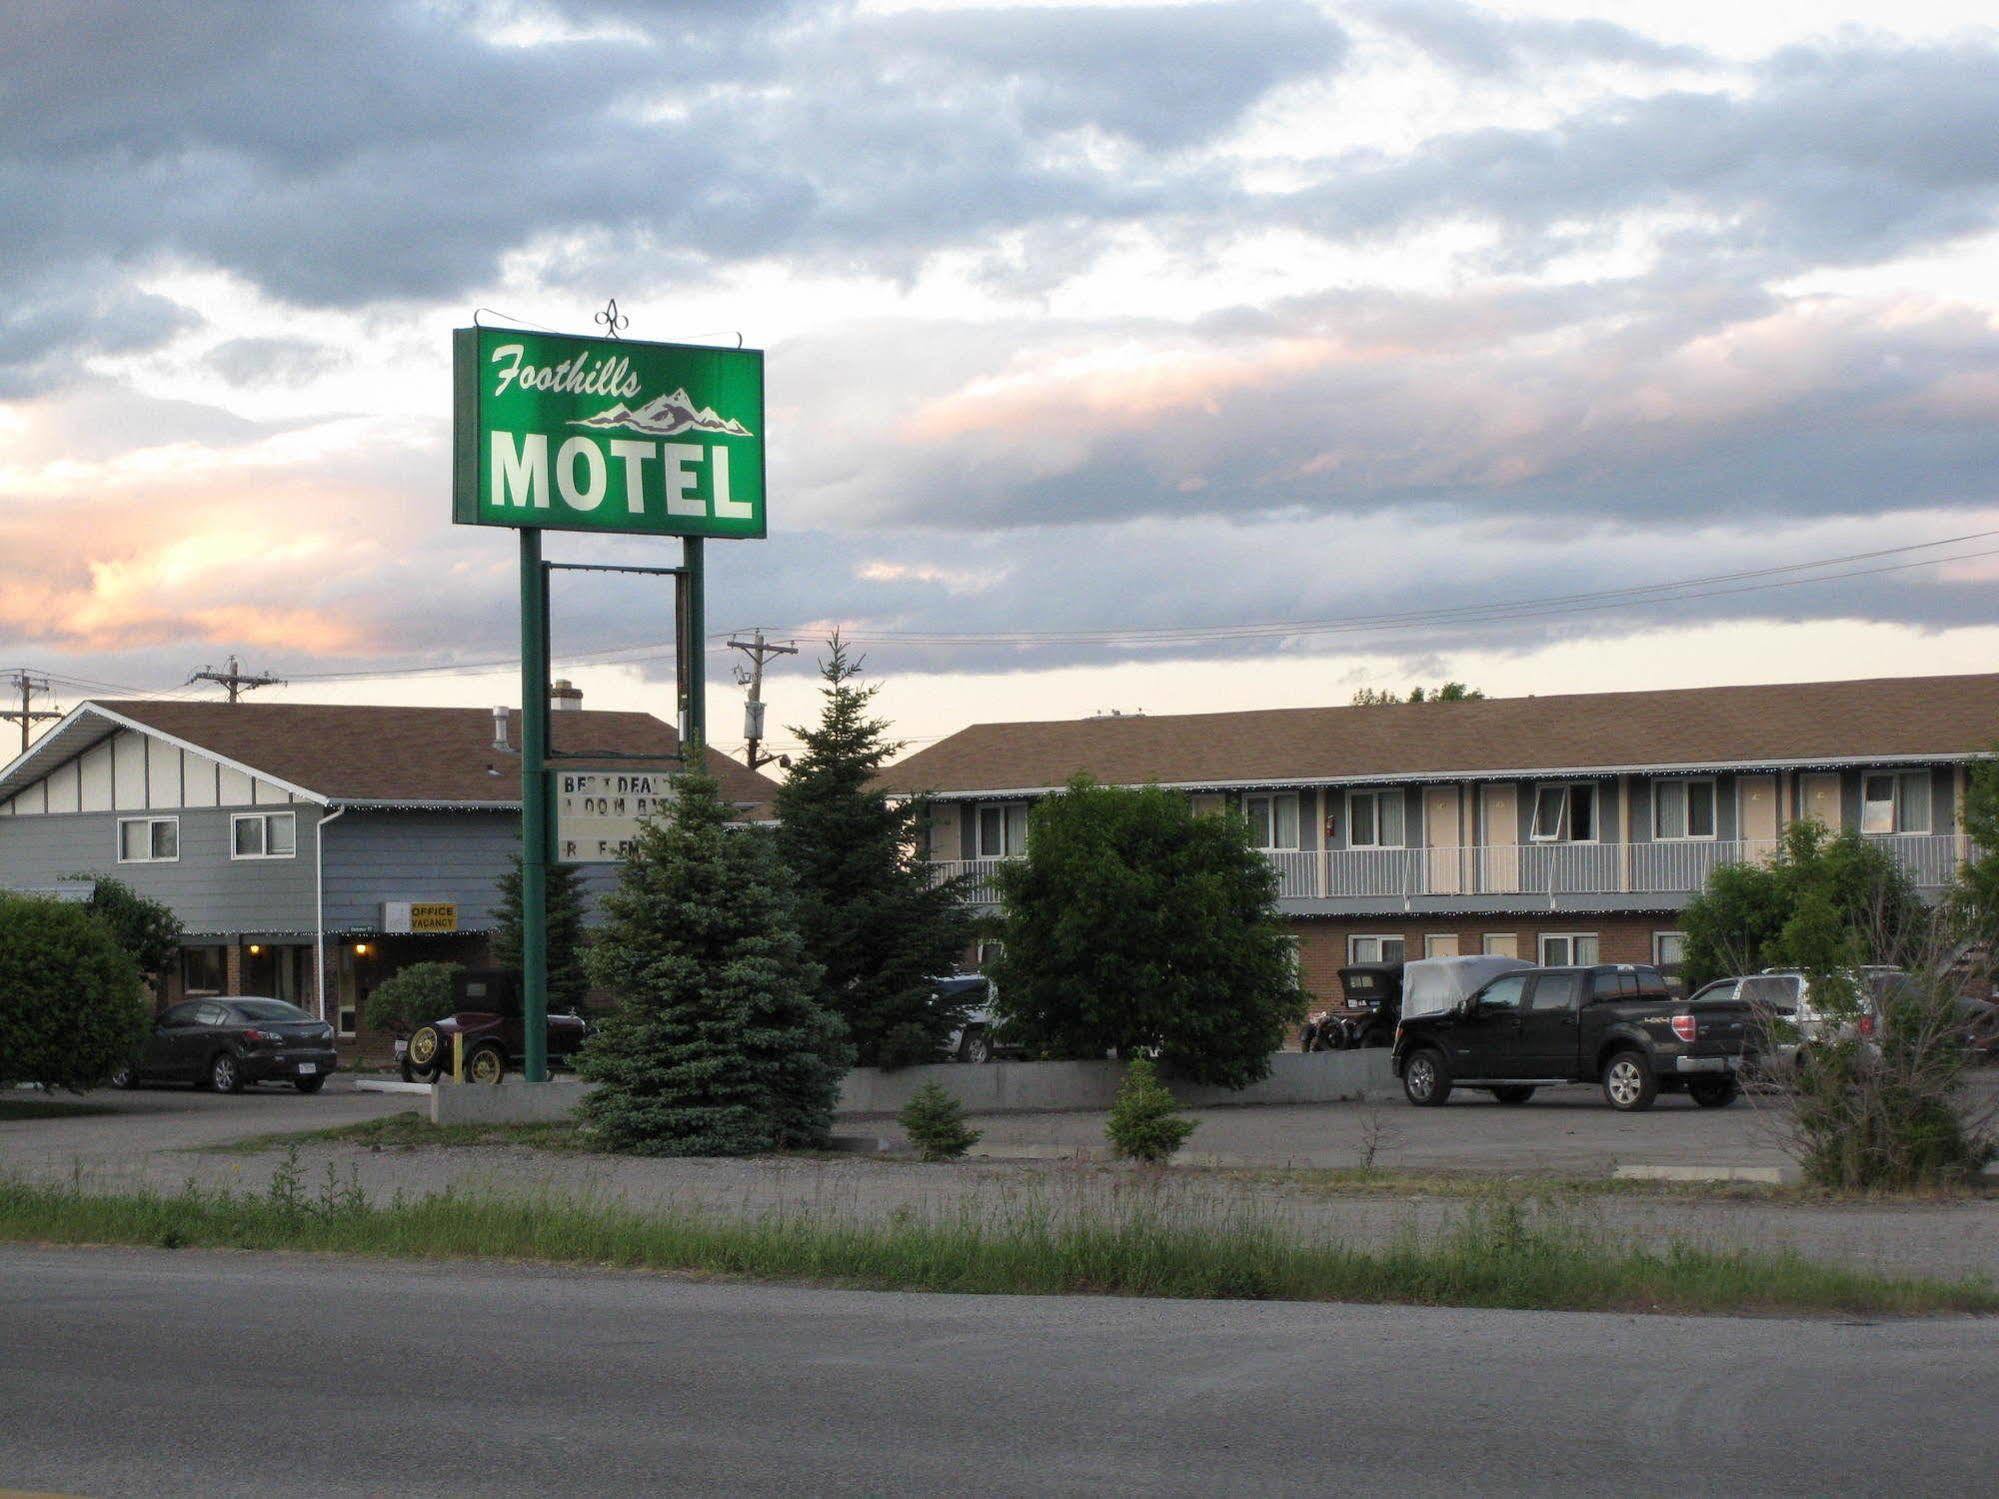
[871, 916]
[568, 979]
[718, 1044]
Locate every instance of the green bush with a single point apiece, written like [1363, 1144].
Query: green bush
[72, 1003]
[145, 928]
[1133, 925]
[935, 1123]
[1145, 1124]
[416, 996]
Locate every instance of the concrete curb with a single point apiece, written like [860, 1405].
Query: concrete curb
[1769, 1176]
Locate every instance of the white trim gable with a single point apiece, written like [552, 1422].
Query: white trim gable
[99, 760]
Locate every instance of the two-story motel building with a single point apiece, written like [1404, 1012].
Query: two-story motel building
[1558, 829]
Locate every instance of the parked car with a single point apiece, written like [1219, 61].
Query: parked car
[1611, 1023]
[487, 1013]
[974, 1041]
[225, 1044]
[1373, 993]
[1781, 1001]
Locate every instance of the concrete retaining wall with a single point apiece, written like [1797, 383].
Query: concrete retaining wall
[995, 1088]
[1052, 1087]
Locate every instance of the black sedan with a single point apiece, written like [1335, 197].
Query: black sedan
[225, 1043]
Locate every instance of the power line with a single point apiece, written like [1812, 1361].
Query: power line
[1636, 594]
[1750, 580]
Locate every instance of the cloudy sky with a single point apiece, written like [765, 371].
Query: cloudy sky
[1098, 336]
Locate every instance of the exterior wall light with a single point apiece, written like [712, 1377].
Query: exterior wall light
[360, 949]
[255, 948]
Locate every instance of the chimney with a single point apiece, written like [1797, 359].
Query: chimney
[564, 696]
[500, 730]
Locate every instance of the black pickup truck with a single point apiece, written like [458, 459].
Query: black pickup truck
[1613, 1023]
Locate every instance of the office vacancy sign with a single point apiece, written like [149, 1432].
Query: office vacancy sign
[598, 434]
[597, 812]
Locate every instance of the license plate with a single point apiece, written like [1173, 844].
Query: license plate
[307, 1069]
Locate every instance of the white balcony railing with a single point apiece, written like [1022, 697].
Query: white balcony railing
[1678, 867]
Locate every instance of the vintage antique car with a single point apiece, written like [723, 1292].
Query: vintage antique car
[1373, 1005]
[487, 1014]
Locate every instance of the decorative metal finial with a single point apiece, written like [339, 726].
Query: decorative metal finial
[612, 321]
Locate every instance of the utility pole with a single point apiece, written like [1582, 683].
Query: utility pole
[27, 713]
[235, 680]
[759, 651]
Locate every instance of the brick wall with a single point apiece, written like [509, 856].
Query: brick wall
[1323, 946]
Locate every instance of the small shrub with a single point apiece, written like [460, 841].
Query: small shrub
[935, 1123]
[415, 996]
[1144, 1123]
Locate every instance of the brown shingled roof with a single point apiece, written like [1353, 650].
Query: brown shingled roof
[1797, 723]
[385, 754]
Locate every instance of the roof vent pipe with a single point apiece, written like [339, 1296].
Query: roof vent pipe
[564, 696]
[500, 729]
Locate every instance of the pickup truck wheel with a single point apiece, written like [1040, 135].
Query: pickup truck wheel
[1714, 1093]
[977, 1046]
[1424, 1080]
[1515, 1094]
[1628, 1084]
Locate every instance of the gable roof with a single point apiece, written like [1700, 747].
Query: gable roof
[384, 756]
[1804, 723]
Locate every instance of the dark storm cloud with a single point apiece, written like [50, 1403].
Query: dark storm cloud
[273, 361]
[1478, 41]
[358, 153]
[1838, 155]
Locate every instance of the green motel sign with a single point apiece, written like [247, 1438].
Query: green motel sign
[601, 434]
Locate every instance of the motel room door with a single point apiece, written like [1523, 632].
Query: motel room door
[1499, 839]
[1441, 835]
[1820, 793]
[1758, 822]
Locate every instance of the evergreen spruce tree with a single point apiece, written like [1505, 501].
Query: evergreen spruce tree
[868, 911]
[718, 1045]
[568, 979]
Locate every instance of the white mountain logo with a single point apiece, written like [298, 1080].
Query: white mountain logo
[665, 416]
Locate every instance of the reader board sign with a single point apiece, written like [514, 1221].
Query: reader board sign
[597, 812]
[611, 435]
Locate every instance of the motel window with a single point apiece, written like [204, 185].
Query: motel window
[1501, 945]
[1568, 949]
[1375, 819]
[1896, 803]
[1376, 950]
[203, 970]
[148, 840]
[1668, 948]
[1002, 829]
[1565, 814]
[1273, 820]
[1683, 809]
[263, 835]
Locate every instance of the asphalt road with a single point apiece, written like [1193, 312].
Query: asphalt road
[153, 1372]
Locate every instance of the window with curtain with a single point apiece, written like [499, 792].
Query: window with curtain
[1273, 820]
[1376, 819]
[1683, 809]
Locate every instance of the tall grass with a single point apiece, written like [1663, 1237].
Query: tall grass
[1502, 1255]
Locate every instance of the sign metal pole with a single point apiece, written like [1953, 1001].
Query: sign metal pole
[693, 638]
[534, 806]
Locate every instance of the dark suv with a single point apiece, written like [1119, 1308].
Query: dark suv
[1612, 1023]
